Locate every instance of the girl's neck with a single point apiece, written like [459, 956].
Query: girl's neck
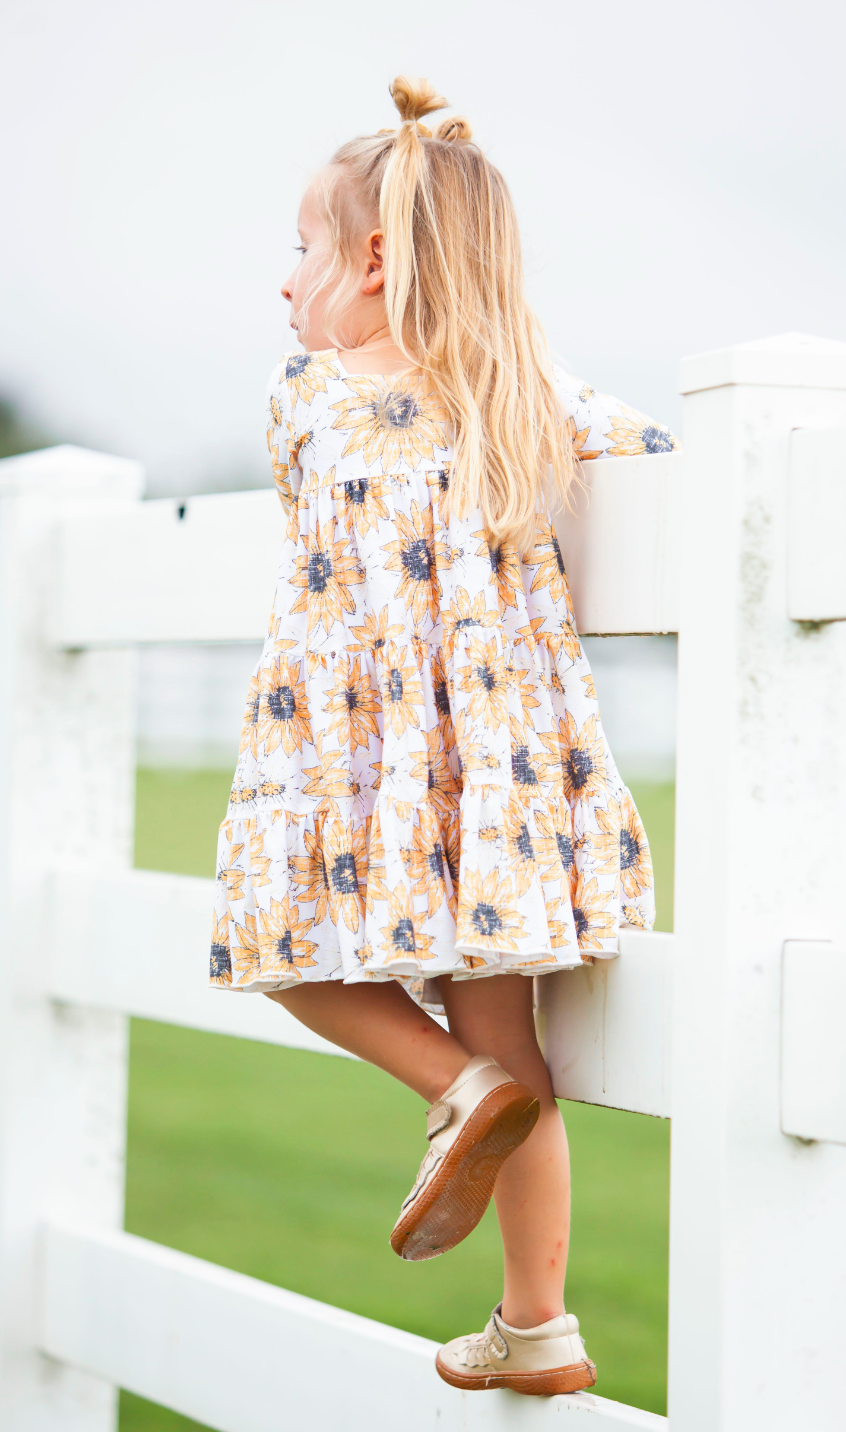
[375, 354]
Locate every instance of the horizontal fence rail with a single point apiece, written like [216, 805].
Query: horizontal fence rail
[606, 1029]
[202, 569]
[137, 942]
[242, 1356]
[140, 946]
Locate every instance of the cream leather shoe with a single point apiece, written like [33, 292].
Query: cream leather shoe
[539, 1361]
[480, 1119]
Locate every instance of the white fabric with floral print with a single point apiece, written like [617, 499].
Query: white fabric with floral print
[424, 786]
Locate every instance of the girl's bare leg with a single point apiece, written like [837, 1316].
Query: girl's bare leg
[382, 1024]
[532, 1194]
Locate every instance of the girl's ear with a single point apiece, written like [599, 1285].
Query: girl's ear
[374, 278]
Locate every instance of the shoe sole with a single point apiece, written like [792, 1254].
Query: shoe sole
[574, 1378]
[453, 1202]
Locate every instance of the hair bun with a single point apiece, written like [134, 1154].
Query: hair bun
[456, 128]
[415, 97]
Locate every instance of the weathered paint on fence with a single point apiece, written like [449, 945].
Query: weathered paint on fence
[242, 1356]
[757, 1256]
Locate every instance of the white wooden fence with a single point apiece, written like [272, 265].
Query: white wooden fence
[740, 545]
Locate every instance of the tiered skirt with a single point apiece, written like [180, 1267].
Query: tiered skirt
[424, 786]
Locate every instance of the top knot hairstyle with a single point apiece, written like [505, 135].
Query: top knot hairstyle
[455, 303]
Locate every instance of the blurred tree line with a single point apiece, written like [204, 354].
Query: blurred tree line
[16, 433]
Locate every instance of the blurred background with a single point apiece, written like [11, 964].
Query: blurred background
[678, 171]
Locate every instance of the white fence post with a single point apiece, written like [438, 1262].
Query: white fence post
[757, 1249]
[66, 789]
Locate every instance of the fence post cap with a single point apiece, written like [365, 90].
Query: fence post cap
[788, 360]
[73, 471]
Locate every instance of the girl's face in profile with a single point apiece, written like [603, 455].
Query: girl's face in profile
[366, 307]
[315, 256]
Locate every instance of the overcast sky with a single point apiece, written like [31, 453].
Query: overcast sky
[678, 169]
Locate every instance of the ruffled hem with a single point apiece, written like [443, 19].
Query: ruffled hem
[484, 883]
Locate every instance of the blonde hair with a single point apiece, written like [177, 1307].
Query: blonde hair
[455, 304]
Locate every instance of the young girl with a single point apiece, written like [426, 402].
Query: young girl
[425, 810]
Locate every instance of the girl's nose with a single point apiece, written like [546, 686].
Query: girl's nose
[286, 290]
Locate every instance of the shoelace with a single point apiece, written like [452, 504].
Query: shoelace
[484, 1347]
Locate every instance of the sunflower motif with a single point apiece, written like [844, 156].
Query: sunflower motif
[523, 849]
[505, 568]
[635, 859]
[522, 685]
[325, 576]
[465, 612]
[245, 957]
[274, 633]
[298, 505]
[299, 446]
[345, 861]
[271, 789]
[390, 424]
[527, 768]
[586, 392]
[427, 860]
[566, 640]
[473, 754]
[259, 862]
[439, 479]
[582, 755]
[309, 873]
[402, 692]
[546, 556]
[578, 439]
[451, 842]
[484, 680]
[374, 632]
[593, 920]
[240, 795]
[281, 473]
[487, 918]
[590, 689]
[403, 935]
[620, 845]
[352, 703]
[327, 782]
[440, 690]
[230, 877]
[376, 887]
[307, 373]
[632, 433]
[361, 506]
[284, 950]
[220, 963]
[533, 632]
[278, 417]
[432, 767]
[558, 934]
[634, 916]
[285, 719]
[555, 828]
[603, 845]
[413, 557]
[249, 730]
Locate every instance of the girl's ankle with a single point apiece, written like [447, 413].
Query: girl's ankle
[530, 1315]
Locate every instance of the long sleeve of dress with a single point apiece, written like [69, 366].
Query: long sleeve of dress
[602, 426]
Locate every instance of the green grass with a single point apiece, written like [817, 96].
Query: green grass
[260, 1159]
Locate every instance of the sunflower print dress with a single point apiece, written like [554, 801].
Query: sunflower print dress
[423, 786]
